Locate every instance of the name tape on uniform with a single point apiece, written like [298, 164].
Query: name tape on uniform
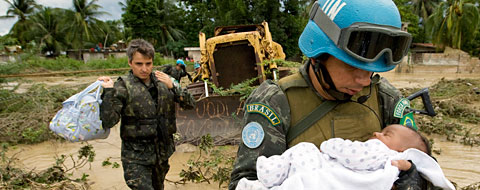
[252, 135]
[400, 107]
[264, 110]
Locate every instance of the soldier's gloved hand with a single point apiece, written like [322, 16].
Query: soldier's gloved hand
[164, 78]
[107, 82]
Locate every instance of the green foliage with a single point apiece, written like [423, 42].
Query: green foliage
[33, 135]
[473, 46]
[107, 162]
[210, 164]
[83, 22]
[112, 32]
[86, 152]
[424, 8]
[244, 89]
[52, 177]
[286, 18]
[20, 9]
[282, 63]
[152, 20]
[49, 30]
[62, 63]
[406, 9]
[7, 40]
[26, 116]
[83, 178]
[453, 23]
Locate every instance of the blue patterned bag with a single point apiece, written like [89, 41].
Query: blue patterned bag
[79, 119]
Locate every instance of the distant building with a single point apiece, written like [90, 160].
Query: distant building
[87, 55]
[9, 53]
[427, 58]
[193, 52]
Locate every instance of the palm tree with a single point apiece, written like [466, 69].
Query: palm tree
[453, 22]
[424, 8]
[20, 9]
[84, 21]
[49, 29]
[233, 12]
[153, 20]
[168, 31]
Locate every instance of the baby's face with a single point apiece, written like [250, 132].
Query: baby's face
[396, 137]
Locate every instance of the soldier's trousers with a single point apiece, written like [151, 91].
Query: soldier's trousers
[145, 177]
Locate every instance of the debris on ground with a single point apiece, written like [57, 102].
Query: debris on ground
[55, 177]
[25, 117]
[457, 106]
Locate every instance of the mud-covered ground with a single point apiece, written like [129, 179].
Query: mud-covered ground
[459, 162]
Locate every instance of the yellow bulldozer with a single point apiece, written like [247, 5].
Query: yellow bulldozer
[233, 55]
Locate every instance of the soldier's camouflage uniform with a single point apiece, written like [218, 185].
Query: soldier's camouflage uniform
[173, 72]
[274, 142]
[147, 114]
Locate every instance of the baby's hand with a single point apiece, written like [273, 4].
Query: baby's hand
[403, 165]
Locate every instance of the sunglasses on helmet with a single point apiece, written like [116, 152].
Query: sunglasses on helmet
[364, 41]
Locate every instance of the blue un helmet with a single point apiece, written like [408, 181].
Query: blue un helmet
[196, 65]
[180, 61]
[363, 34]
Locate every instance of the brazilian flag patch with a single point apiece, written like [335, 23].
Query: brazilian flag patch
[407, 120]
[264, 110]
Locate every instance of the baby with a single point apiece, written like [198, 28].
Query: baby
[343, 164]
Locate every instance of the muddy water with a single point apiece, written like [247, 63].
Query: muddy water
[460, 163]
[422, 80]
[41, 156]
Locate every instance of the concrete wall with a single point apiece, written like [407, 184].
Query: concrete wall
[87, 56]
[7, 58]
[450, 61]
[118, 54]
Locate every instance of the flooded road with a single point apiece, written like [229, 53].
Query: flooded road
[41, 156]
[459, 162]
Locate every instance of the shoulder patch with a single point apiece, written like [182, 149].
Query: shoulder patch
[400, 107]
[252, 135]
[264, 110]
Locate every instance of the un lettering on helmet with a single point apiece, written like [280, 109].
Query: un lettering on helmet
[314, 42]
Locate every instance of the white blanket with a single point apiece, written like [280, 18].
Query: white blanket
[305, 167]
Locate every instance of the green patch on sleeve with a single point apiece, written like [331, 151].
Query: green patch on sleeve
[265, 111]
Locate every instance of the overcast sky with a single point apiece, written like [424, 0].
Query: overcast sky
[109, 6]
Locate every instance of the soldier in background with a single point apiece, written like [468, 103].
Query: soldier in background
[197, 72]
[145, 103]
[178, 72]
[335, 93]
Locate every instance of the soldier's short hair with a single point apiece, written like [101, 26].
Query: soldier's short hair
[140, 46]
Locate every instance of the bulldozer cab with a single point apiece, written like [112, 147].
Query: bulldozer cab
[236, 53]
